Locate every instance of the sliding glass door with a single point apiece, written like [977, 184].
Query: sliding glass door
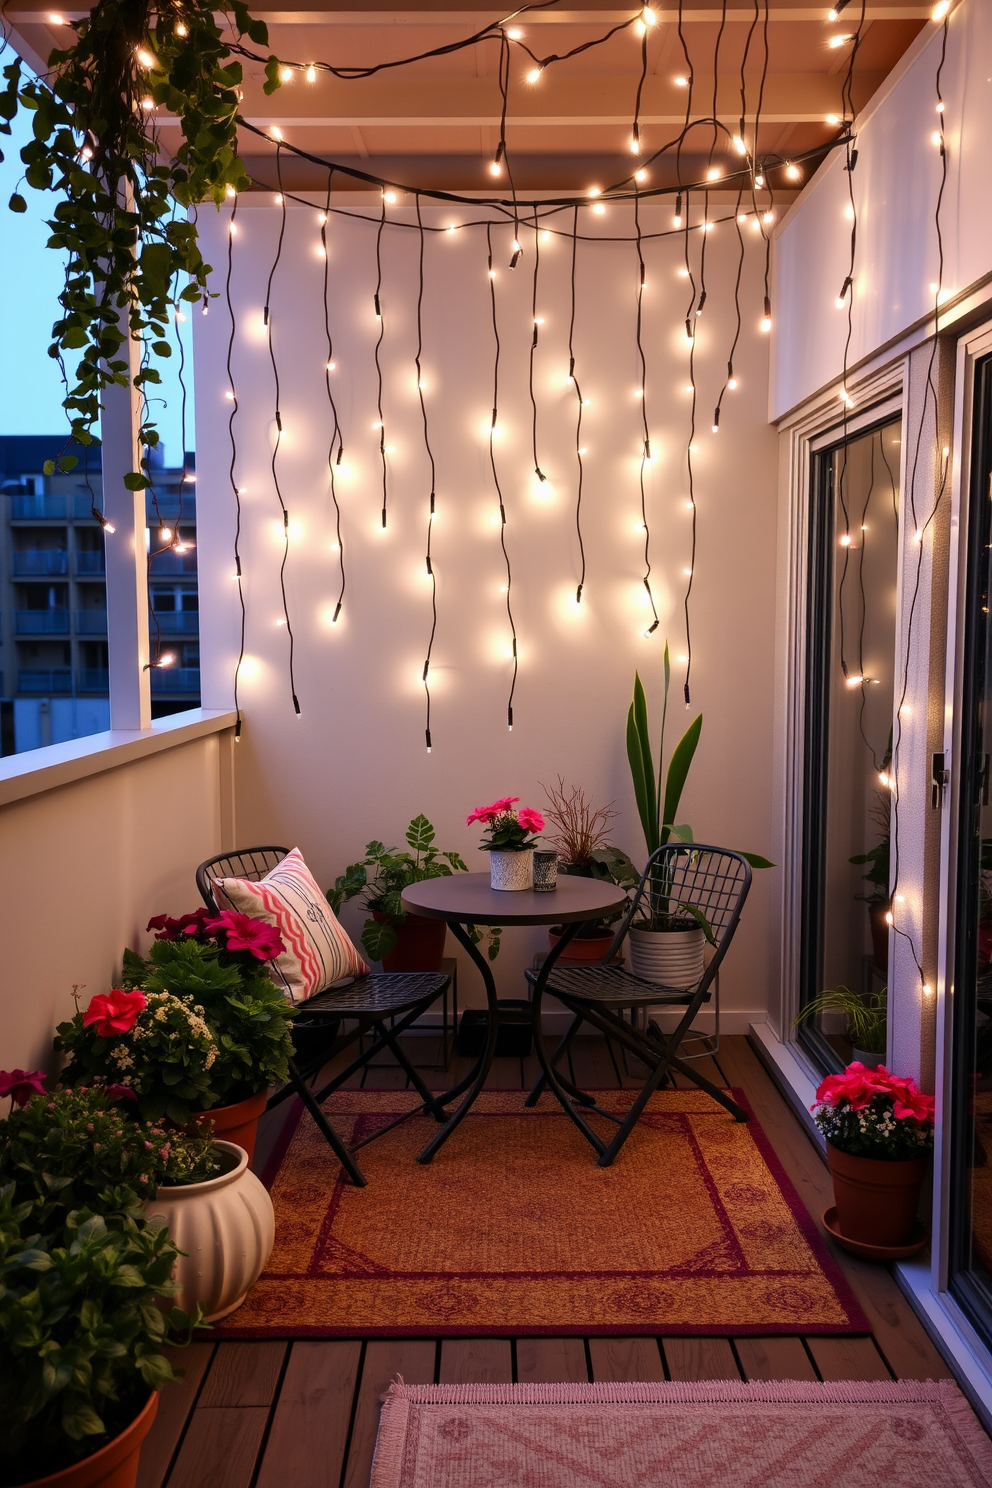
[970, 1191]
[850, 627]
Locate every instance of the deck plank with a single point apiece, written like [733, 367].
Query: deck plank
[899, 1332]
[385, 1358]
[774, 1359]
[848, 1358]
[548, 1361]
[309, 1430]
[220, 1448]
[175, 1405]
[624, 1359]
[476, 1361]
[243, 1374]
[700, 1359]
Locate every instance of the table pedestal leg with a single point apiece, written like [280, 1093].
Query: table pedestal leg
[476, 1078]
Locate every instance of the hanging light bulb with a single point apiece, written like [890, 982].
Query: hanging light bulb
[165, 533]
[940, 10]
[181, 30]
[285, 74]
[766, 319]
[275, 131]
[640, 176]
[311, 74]
[535, 73]
[681, 82]
[739, 144]
[714, 173]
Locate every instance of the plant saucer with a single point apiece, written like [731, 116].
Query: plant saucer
[876, 1252]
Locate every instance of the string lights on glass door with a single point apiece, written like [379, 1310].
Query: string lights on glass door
[232, 468]
[377, 301]
[537, 320]
[432, 506]
[645, 431]
[335, 448]
[496, 482]
[573, 379]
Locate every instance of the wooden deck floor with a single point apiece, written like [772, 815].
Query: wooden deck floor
[270, 1414]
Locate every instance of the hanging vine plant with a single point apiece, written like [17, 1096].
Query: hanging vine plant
[123, 217]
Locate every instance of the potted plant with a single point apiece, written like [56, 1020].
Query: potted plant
[879, 1133]
[878, 898]
[509, 840]
[402, 941]
[83, 1278]
[865, 1020]
[199, 1031]
[667, 941]
[581, 837]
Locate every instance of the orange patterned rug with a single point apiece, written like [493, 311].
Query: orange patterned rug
[514, 1229]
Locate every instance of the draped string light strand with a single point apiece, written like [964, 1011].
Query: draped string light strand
[645, 433]
[495, 473]
[433, 496]
[377, 302]
[335, 449]
[267, 320]
[533, 350]
[232, 468]
[690, 331]
[573, 379]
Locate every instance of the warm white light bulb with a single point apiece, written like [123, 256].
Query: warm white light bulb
[640, 27]
[839, 41]
[732, 383]
[515, 34]
[739, 145]
[147, 104]
[389, 196]
[714, 173]
[229, 396]
[793, 172]
[145, 57]
[635, 146]
[832, 119]
[165, 533]
[534, 74]
[594, 191]
[275, 131]
[648, 16]
[181, 30]
[759, 181]
[768, 218]
[311, 74]
[845, 540]
[331, 366]
[766, 322]
[494, 168]
[599, 209]
[936, 137]
[640, 176]
[940, 10]
[677, 219]
[285, 74]
[681, 82]
[855, 681]
[230, 191]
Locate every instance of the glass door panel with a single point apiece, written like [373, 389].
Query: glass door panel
[854, 544]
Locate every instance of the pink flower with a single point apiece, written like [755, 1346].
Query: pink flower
[857, 1086]
[244, 933]
[187, 924]
[490, 813]
[21, 1085]
[908, 1099]
[531, 819]
[120, 1092]
[114, 1012]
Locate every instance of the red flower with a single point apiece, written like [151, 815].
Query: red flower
[114, 1012]
[857, 1086]
[21, 1085]
[908, 1099]
[531, 819]
[120, 1092]
[193, 923]
[244, 933]
[490, 813]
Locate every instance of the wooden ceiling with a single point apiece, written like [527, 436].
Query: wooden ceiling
[435, 123]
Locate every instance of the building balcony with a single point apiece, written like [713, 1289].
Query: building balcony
[39, 508]
[41, 622]
[176, 622]
[185, 680]
[87, 562]
[32, 563]
[82, 506]
[170, 564]
[91, 622]
[56, 679]
[93, 680]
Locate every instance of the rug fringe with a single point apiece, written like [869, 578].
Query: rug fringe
[390, 1440]
[678, 1392]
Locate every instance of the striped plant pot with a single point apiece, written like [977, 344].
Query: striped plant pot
[673, 958]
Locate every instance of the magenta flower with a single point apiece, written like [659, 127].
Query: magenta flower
[114, 1012]
[490, 813]
[21, 1085]
[168, 928]
[531, 819]
[244, 933]
[120, 1092]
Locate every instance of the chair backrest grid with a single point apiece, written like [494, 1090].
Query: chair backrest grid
[251, 863]
[712, 879]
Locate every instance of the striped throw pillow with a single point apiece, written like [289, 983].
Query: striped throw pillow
[318, 950]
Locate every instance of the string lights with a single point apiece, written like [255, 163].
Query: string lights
[377, 300]
[335, 448]
[645, 432]
[432, 511]
[578, 411]
[499, 492]
[533, 349]
[232, 471]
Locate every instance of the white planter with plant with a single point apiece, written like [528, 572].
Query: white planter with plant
[225, 1226]
[866, 1020]
[668, 944]
[510, 840]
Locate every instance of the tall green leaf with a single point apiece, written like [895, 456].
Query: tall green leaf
[640, 710]
[635, 759]
[678, 769]
[664, 718]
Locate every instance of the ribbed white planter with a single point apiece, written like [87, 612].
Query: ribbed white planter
[226, 1226]
[512, 870]
[674, 958]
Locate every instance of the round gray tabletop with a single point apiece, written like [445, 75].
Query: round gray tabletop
[468, 899]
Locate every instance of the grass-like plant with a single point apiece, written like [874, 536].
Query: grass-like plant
[865, 1015]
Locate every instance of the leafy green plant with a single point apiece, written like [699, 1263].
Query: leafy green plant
[81, 1332]
[391, 872]
[84, 1149]
[658, 794]
[121, 215]
[865, 1015]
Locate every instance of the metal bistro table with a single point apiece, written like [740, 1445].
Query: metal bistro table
[467, 899]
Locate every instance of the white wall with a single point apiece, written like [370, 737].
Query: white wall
[895, 187]
[354, 765]
[83, 867]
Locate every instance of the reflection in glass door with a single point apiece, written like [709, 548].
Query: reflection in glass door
[971, 1168]
[851, 619]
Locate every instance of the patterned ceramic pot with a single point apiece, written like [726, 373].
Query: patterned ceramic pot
[674, 958]
[511, 870]
[226, 1226]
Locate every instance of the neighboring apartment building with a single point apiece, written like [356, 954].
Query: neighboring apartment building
[53, 600]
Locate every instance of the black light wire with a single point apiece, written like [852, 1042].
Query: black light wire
[433, 495]
[645, 434]
[635, 133]
[690, 331]
[578, 410]
[235, 488]
[492, 462]
[533, 349]
[335, 449]
[267, 320]
[377, 299]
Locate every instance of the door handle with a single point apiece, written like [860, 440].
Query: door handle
[939, 776]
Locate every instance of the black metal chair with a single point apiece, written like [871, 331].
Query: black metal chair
[713, 881]
[369, 1000]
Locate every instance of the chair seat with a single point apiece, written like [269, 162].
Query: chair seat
[611, 986]
[376, 995]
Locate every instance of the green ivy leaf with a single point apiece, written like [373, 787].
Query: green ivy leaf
[17, 203]
[135, 481]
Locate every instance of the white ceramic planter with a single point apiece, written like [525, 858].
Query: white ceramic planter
[870, 1061]
[226, 1226]
[512, 870]
[673, 958]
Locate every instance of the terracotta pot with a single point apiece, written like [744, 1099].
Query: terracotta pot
[582, 948]
[511, 870]
[226, 1229]
[877, 910]
[673, 958]
[419, 943]
[237, 1123]
[114, 1466]
[876, 1200]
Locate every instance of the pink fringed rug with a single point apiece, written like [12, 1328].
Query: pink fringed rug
[723, 1434]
